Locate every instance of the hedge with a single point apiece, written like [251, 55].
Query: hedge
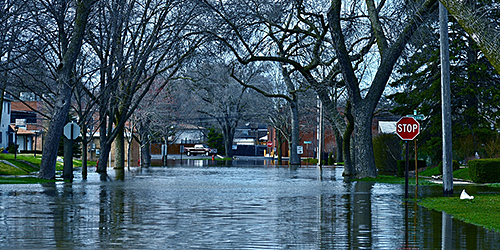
[402, 166]
[485, 170]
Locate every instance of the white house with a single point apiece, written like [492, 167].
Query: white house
[187, 133]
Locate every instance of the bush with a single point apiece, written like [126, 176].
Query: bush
[387, 151]
[485, 170]
[12, 148]
[402, 166]
[456, 166]
[331, 161]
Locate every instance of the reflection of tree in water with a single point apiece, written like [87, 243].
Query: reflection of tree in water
[362, 215]
[111, 213]
[68, 216]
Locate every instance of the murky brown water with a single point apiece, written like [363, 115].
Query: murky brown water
[192, 206]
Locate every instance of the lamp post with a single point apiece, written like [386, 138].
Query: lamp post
[36, 139]
[16, 128]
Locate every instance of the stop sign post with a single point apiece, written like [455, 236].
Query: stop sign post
[71, 131]
[407, 128]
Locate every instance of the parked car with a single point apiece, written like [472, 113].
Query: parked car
[200, 149]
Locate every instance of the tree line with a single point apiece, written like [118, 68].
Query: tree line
[137, 60]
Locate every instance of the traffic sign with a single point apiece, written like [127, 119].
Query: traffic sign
[71, 130]
[407, 128]
[269, 144]
[300, 150]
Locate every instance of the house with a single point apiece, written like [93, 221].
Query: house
[29, 124]
[251, 134]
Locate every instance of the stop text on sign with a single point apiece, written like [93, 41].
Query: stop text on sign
[407, 128]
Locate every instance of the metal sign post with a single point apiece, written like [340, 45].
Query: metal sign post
[407, 128]
[71, 132]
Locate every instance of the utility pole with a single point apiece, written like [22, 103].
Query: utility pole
[446, 102]
[321, 135]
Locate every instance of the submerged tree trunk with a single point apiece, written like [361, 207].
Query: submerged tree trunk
[103, 161]
[278, 147]
[294, 141]
[56, 125]
[363, 145]
[228, 134]
[146, 154]
[339, 154]
[349, 169]
[120, 150]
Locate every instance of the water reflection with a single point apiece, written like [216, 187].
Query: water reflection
[186, 206]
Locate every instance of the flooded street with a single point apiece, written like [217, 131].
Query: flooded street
[242, 206]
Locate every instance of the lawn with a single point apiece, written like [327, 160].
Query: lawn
[483, 210]
[26, 164]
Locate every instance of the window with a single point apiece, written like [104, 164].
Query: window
[1, 137]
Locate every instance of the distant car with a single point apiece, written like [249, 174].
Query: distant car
[200, 149]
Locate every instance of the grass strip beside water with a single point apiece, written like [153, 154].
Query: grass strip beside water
[483, 210]
[22, 180]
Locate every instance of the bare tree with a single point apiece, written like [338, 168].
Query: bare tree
[223, 99]
[480, 24]
[304, 35]
[70, 42]
[135, 44]
[11, 24]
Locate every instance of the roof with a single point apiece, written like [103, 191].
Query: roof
[21, 131]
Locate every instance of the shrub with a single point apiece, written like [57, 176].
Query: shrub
[402, 166]
[387, 151]
[485, 170]
[12, 148]
[331, 161]
[456, 166]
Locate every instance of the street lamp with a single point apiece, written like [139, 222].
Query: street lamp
[36, 139]
[16, 128]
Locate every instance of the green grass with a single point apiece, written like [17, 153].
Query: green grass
[483, 210]
[6, 169]
[26, 164]
[22, 180]
[462, 174]
[430, 172]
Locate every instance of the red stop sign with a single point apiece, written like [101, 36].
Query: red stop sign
[269, 144]
[407, 128]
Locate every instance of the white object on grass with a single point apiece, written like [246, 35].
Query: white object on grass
[465, 196]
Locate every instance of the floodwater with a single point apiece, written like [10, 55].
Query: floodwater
[239, 205]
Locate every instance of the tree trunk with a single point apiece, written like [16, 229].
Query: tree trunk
[278, 147]
[294, 142]
[103, 160]
[228, 134]
[104, 150]
[56, 125]
[84, 156]
[146, 154]
[340, 142]
[120, 150]
[349, 169]
[363, 145]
